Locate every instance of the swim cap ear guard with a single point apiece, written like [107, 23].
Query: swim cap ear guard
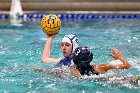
[82, 56]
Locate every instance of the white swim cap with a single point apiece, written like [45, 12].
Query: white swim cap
[71, 39]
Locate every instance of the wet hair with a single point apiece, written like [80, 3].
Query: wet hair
[82, 56]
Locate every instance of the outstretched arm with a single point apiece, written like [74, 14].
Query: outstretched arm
[118, 56]
[46, 57]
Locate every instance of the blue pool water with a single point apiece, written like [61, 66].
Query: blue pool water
[21, 47]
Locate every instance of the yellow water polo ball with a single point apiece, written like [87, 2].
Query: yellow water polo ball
[50, 24]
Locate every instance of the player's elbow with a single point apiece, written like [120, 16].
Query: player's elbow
[44, 60]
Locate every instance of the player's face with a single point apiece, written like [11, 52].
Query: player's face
[66, 49]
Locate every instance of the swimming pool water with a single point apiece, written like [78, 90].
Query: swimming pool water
[21, 47]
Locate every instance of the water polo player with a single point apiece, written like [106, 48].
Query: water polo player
[68, 46]
[83, 57]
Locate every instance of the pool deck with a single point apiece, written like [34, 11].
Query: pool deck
[79, 6]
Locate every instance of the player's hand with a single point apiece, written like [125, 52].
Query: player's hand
[116, 54]
[53, 36]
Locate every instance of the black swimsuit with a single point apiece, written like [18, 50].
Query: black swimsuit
[87, 70]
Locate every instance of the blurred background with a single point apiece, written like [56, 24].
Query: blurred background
[74, 5]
